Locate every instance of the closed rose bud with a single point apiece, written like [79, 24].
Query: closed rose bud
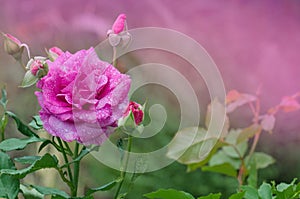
[132, 118]
[36, 69]
[13, 46]
[37, 66]
[137, 111]
[54, 53]
[119, 24]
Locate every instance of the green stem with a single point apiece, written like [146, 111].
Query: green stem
[76, 170]
[114, 57]
[255, 141]
[65, 158]
[2, 136]
[70, 153]
[123, 170]
[22, 64]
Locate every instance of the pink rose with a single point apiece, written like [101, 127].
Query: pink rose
[82, 97]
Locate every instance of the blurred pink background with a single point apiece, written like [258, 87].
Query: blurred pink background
[252, 42]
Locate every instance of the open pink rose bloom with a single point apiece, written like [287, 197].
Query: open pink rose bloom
[82, 97]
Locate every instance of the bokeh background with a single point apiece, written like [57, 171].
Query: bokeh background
[255, 44]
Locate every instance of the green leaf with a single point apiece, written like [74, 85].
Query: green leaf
[247, 133]
[105, 187]
[252, 178]
[29, 79]
[250, 192]
[194, 166]
[17, 144]
[84, 197]
[30, 193]
[239, 195]
[221, 157]
[237, 149]
[283, 186]
[265, 191]
[46, 161]
[211, 196]
[9, 186]
[168, 194]
[44, 144]
[225, 168]
[191, 145]
[50, 191]
[3, 100]
[36, 123]
[3, 124]
[262, 160]
[27, 159]
[25, 130]
[286, 191]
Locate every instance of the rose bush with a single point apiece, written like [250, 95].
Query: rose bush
[81, 97]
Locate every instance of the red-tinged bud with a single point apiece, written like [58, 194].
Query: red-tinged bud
[137, 111]
[54, 53]
[35, 66]
[13, 46]
[132, 118]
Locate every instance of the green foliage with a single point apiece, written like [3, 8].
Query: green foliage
[168, 194]
[192, 145]
[27, 159]
[9, 186]
[17, 144]
[46, 161]
[247, 133]
[50, 191]
[262, 160]
[105, 187]
[265, 191]
[224, 168]
[30, 193]
[36, 123]
[24, 129]
[228, 152]
[3, 124]
[211, 196]
[238, 195]
[3, 100]
[29, 79]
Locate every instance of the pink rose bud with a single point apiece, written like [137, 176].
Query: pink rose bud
[289, 104]
[13, 46]
[119, 24]
[137, 111]
[54, 53]
[37, 66]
